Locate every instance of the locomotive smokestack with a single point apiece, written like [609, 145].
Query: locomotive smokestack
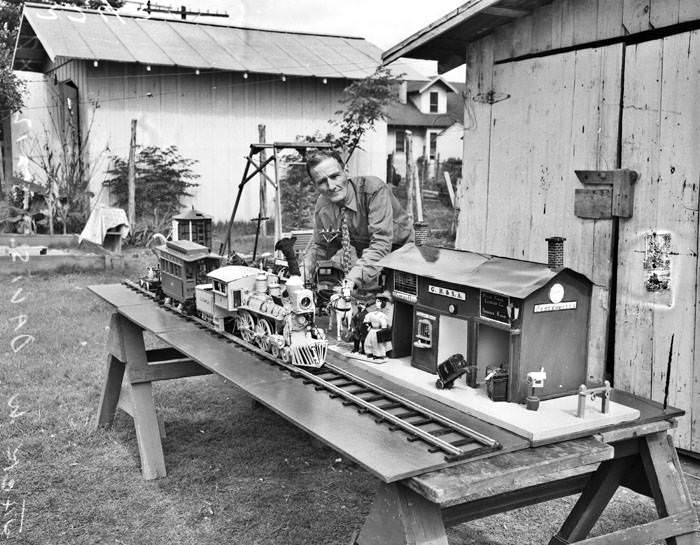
[555, 253]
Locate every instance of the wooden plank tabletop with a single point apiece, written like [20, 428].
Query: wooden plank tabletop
[386, 454]
[508, 471]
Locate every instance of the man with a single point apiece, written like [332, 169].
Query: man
[376, 222]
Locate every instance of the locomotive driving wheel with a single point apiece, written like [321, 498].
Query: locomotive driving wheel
[245, 326]
[263, 331]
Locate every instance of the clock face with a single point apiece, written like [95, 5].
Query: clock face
[556, 293]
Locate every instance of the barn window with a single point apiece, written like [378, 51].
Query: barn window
[405, 282]
[424, 334]
[433, 102]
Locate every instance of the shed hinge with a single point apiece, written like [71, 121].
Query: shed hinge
[491, 97]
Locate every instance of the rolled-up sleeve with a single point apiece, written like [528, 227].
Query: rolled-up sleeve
[317, 248]
[380, 226]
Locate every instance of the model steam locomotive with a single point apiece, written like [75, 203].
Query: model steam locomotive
[242, 300]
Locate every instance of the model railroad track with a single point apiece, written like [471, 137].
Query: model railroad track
[399, 414]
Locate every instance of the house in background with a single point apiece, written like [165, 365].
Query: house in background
[433, 111]
[556, 86]
[202, 87]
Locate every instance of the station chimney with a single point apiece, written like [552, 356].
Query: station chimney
[555, 253]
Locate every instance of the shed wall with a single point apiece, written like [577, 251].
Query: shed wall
[620, 106]
[212, 118]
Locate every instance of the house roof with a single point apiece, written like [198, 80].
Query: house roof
[69, 32]
[435, 81]
[505, 276]
[407, 115]
[445, 40]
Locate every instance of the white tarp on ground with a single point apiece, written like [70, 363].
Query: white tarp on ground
[103, 219]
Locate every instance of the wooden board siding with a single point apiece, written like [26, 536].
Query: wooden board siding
[519, 176]
[211, 117]
[568, 23]
[661, 131]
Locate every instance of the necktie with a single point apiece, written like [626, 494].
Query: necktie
[345, 242]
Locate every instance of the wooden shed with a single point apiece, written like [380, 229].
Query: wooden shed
[595, 85]
[203, 87]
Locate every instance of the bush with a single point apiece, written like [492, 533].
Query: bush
[163, 177]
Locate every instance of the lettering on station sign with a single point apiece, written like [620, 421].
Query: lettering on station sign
[494, 307]
[550, 307]
[437, 290]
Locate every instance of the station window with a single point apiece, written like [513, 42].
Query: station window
[424, 333]
[405, 282]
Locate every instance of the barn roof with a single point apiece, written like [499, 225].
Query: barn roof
[445, 40]
[69, 32]
[501, 275]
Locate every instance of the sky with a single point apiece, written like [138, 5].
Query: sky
[383, 22]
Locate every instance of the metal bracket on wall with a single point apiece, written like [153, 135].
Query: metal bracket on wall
[608, 194]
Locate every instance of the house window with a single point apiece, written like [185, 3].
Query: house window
[400, 146]
[433, 144]
[433, 102]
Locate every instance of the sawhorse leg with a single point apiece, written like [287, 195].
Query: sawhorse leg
[400, 516]
[127, 355]
[678, 522]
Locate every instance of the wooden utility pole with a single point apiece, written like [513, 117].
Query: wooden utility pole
[131, 177]
[263, 181]
[408, 146]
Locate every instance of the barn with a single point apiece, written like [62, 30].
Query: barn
[606, 87]
[202, 87]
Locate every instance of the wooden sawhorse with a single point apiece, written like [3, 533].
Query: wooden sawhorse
[642, 458]
[127, 355]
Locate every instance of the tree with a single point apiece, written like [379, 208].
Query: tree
[365, 103]
[163, 177]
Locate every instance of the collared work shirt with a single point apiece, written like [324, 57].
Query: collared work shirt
[376, 221]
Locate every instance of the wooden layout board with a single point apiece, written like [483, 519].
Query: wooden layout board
[388, 455]
[555, 420]
[118, 295]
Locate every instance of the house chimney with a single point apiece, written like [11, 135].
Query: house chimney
[555, 253]
[403, 92]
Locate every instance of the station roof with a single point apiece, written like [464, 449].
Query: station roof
[511, 277]
[71, 32]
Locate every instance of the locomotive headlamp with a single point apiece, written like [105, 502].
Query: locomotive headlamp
[305, 302]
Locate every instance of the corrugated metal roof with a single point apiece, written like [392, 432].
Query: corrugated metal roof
[510, 277]
[96, 35]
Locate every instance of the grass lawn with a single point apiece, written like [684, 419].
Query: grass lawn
[236, 474]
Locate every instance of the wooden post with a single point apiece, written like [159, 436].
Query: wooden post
[419, 196]
[409, 173]
[263, 181]
[278, 199]
[131, 177]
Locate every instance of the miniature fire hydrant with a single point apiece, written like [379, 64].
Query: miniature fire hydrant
[535, 379]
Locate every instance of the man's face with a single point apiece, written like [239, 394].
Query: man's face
[330, 179]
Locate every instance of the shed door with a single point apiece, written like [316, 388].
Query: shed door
[656, 322]
[551, 116]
